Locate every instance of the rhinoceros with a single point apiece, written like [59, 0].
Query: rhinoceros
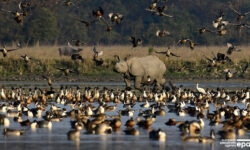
[147, 70]
[68, 50]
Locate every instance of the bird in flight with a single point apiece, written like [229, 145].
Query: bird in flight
[232, 48]
[167, 53]
[135, 42]
[238, 12]
[5, 51]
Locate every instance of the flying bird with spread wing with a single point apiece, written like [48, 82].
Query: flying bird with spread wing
[167, 53]
[232, 48]
[238, 12]
[135, 42]
[6, 51]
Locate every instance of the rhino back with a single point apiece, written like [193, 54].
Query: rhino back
[153, 65]
[148, 65]
[66, 51]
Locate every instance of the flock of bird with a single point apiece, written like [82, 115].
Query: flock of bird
[39, 108]
[88, 108]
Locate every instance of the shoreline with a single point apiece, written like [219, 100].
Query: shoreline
[117, 78]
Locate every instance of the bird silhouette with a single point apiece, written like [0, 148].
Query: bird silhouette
[135, 42]
[167, 53]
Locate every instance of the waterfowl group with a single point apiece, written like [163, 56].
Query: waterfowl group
[39, 108]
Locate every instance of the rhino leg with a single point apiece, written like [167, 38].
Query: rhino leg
[127, 81]
[138, 82]
[60, 52]
[163, 83]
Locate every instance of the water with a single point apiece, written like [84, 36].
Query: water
[56, 138]
[122, 84]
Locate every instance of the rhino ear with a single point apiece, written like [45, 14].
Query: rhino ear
[127, 57]
[117, 58]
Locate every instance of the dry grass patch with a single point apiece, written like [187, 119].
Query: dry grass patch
[51, 52]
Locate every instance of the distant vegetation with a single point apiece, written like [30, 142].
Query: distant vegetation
[51, 22]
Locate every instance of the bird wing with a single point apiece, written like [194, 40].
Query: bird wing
[131, 39]
[208, 58]
[247, 26]
[179, 42]
[215, 24]
[9, 50]
[19, 45]
[210, 31]
[190, 69]
[69, 45]
[100, 53]
[83, 21]
[45, 77]
[226, 70]
[229, 45]
[61, 69]
[119, 15]
[245, 68]
[174, 54]
[189, 40]
[231, 7]
[149, 9]
[3, 10]
[110, 15]
[19, 5]
[164, 8]
[234, 71]
[101, 10]
[237, 49]
[167, 15]
[139, 41]
[71, 71]
[160, 52]
[225, 22]
[157, 32]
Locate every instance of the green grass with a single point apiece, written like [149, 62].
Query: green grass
[45, 60]
[15, 67]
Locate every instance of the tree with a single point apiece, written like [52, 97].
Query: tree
[42, 26]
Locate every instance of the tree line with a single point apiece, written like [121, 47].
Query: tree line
[50, 22]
